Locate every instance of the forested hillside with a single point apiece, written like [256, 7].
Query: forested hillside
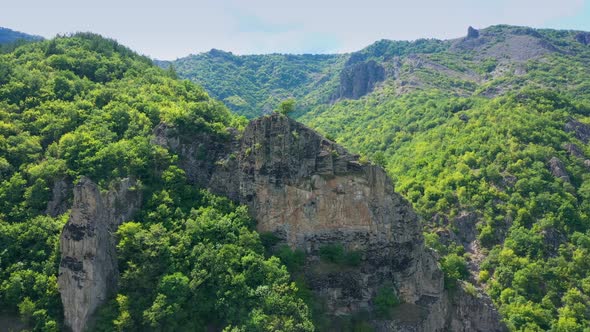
[487, 136]
[86, 106]
[252, 85]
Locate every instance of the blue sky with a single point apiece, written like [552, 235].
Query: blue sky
[175, 28]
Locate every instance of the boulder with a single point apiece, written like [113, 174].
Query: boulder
[580, 130]
[574, 150]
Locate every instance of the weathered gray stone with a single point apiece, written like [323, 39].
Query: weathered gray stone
[558, 169]
[580, 130]
[472, 33]
[60, 195]
[88, 270]
[311, 192]
[574, 150]
[358, 79]
[466, 306]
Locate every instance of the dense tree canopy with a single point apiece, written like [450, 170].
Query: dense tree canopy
[451, 156]
[492, 151]
[85, 105]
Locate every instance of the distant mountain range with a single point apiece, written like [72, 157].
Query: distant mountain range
[484, 62]
[8, 36]
[486, 138]
[486, 135]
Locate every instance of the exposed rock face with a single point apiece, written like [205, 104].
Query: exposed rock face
[507, 45]
[466, 225]
[558, 169]
[358, 79]
[580, 130]
[88, 268]
[466, 306]
[60, 193]
[583, 37]
[198, 157]
[311, 192]
[472, 33]
[574, 150]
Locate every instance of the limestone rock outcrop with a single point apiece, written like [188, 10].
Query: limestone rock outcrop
[88, 268]
[471, 312]
[60, 194]
[580, 130]
[310, 192]
[472, 33]
[558, 169]
[358, 79]
[574, 150]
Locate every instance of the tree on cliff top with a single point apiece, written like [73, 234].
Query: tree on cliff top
[287, 106]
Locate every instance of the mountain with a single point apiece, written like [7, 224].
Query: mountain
[131, 200]
[99, 227]
[485, 135]
[9, 36]
[252, 85]
[487, 62]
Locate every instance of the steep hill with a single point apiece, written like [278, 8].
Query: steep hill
[487, 135]
[252, 85]
[132, 201]
[487, 62]
[77, 162]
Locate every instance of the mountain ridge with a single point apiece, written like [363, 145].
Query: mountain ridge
[311, 78]
[10, 36]
[485, 136]
[120, 202]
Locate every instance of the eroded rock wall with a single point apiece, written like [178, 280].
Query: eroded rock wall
[359, 79]
[88, 268]
[310, 192]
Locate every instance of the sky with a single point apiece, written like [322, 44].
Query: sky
[169, 29]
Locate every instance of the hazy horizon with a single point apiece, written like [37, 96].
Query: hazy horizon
[182, 27]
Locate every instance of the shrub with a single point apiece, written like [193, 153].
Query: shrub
[385, 300]
[455, 268]
[293, 259]
[335, 253]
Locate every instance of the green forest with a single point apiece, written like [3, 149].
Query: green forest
[85, 105]
[487, 141]
[255, 84]
[450, 156]
[472, 130]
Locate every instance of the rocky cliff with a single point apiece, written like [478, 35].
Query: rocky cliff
[311, 193]
[88, 267]
[358, 79]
